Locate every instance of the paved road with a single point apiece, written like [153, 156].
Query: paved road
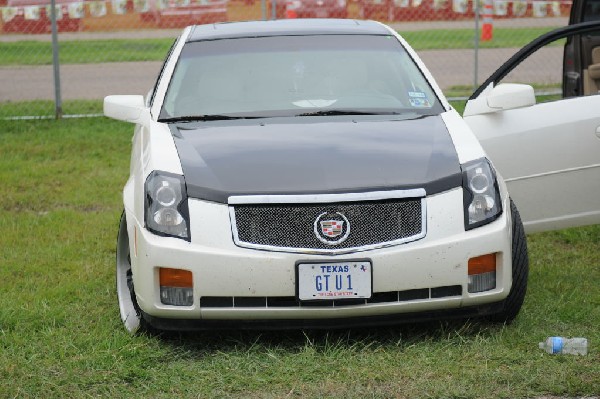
[85, 81]
[94, 81]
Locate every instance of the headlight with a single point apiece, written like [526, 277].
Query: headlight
[166, 211]
[481, 194]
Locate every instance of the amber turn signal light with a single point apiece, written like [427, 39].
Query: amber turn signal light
[175, 278]
[482, 264]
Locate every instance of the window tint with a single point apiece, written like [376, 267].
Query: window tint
[591, 11]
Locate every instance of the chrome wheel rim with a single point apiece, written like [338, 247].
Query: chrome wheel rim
[130, 315]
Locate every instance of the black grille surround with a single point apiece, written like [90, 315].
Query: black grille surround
[391, 297]
[296, 227]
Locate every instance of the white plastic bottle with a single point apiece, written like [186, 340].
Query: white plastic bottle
[571, 346]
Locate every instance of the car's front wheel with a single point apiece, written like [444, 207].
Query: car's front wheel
[130, 313]
[520, 271]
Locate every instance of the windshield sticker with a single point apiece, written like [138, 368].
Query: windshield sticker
[420, 102]
[416, 94]
[418, 99]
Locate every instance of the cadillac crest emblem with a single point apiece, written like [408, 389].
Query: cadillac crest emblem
[332, 228]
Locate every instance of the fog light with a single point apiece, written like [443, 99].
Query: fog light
[176, 287]
[176, 296]
[482, 273]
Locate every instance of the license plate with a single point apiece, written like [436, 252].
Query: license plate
[338, 280]
[322, 14]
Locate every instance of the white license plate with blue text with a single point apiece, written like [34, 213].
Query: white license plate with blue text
[337, 280]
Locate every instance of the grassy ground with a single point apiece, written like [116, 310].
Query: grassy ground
[84, 51]
[94, 51]
[61, 337]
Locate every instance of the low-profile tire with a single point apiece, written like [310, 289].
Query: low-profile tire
[131, 315]
[520, 271]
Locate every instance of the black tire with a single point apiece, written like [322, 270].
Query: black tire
[520, 271]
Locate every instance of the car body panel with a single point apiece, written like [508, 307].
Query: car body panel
[548, 153]
[222, 269]
[549, 156]
[362, 154]
[291, 27]
[467, 146]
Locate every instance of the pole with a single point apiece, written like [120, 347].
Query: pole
[476, 67]
[487, 29]
[55, 64]
[263, 9]
[274, 9]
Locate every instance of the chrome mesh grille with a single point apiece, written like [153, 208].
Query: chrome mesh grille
[292, 226]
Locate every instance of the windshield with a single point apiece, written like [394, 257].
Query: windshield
[297, 76]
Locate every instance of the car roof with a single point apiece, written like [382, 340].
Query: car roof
[286, 27]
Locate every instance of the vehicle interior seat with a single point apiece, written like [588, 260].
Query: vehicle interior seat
[593, 80]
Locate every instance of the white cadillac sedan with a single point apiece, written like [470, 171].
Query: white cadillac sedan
[311, 174]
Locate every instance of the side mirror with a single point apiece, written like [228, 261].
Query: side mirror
[127, 108]
[502, 97]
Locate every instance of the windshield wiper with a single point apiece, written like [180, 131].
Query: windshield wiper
[334, 112]
[203, 118]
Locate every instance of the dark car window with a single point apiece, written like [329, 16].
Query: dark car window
[297, 76]
[591, 11]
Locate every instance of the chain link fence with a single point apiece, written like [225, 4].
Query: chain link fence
[117, 46]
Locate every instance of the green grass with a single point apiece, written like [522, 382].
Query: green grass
[122, 50]
[61, 336]
[84, 51]
[46, 108]
[465, 39]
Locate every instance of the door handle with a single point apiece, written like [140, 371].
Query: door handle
[598, 132]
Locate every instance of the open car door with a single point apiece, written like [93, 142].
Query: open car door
[548, 153]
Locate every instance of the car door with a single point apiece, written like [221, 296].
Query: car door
[547, 152]
[581, 64]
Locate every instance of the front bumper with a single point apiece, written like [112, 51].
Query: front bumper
[421, 279]
[169, 324]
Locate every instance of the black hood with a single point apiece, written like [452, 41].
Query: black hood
[317, 156]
